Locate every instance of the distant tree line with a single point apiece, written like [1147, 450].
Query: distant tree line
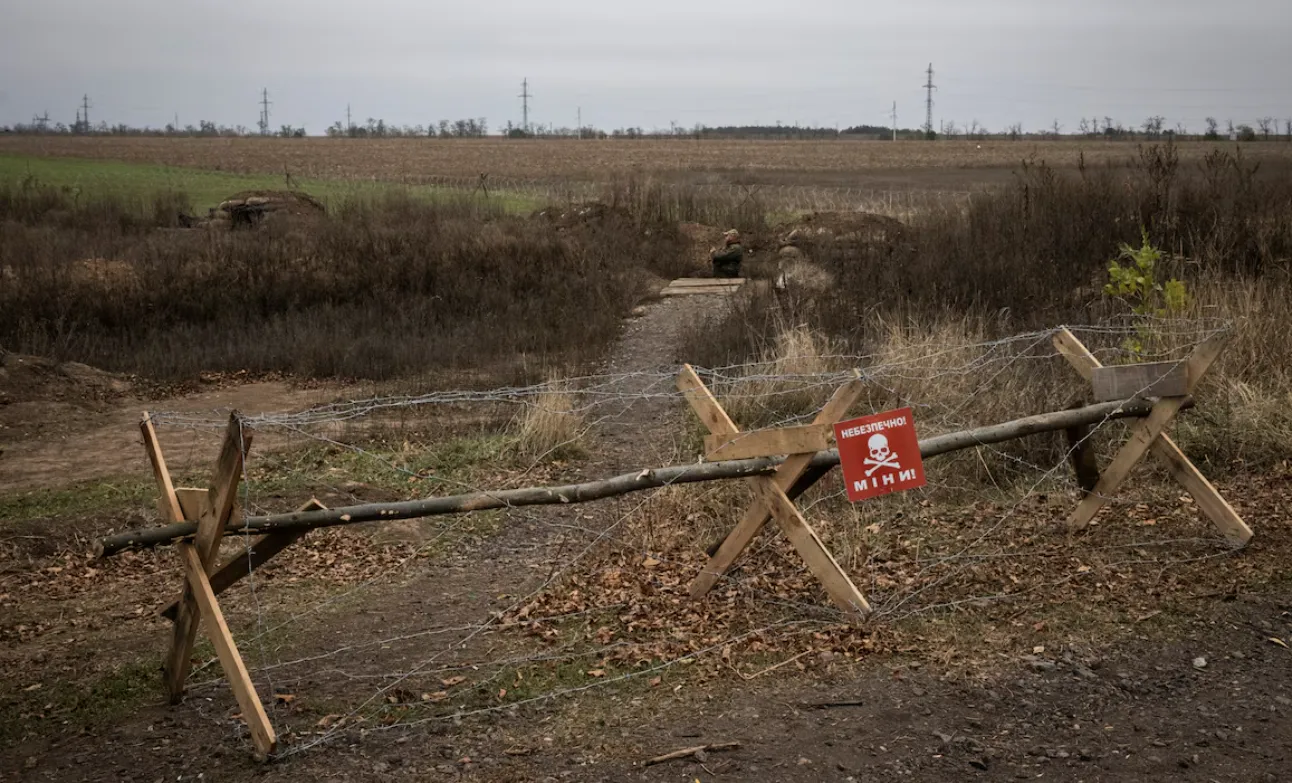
[1152, 128]
[203, 128]
[374, 128]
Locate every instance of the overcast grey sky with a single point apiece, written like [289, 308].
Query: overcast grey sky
[819, 62]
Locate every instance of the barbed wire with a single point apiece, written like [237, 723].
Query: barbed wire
[765, 379]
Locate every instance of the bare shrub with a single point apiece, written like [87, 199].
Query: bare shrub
[382, 289]
[651, 201]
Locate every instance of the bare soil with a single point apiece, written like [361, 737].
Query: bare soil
[1199, 688]
[880, 166]
[66, 423]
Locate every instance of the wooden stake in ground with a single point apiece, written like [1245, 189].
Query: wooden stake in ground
[770, 499]
[1150, 435]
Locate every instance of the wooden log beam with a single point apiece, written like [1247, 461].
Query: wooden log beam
[619, 485]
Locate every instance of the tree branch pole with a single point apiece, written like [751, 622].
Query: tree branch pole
[650, 478]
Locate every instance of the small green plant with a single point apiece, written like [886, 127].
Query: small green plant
[1132, 278]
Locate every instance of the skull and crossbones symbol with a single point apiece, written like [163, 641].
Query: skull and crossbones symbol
[881, 456]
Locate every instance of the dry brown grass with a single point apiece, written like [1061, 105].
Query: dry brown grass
[785, 380]
[552, 425]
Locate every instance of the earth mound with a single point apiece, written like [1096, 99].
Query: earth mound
[848, 226]
[252, 207]
[35, 392]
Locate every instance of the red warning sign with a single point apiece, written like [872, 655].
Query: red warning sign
[879, 454]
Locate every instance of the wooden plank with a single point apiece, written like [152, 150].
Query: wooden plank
[167, 504]
[706, 281]
[178, 662]
[253, 712]
[807, 480]
[813, 551]
[1202, 358]
[1076, 353]
[1208, 498]
[767, 443]
[1151, 379]
[1143, 433]
[724, 554]
[703, 403]
[685, 289]
[224, 491]
[191, 501]
[215, 510]
[787, 477]
[1081, 452]
[715, 291]
[261, 551]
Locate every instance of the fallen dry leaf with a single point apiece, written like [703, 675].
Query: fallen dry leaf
[451, 681]
[284, 698]
[597, 673]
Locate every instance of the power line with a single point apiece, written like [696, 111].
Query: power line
[524, 96]
[85, 111]
[894, 120]
[928, 104]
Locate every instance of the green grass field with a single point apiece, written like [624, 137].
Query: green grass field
[206, 189]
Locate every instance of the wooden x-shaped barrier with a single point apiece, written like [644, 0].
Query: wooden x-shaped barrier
[772, 494]
[213, 508]
[1149, 434]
